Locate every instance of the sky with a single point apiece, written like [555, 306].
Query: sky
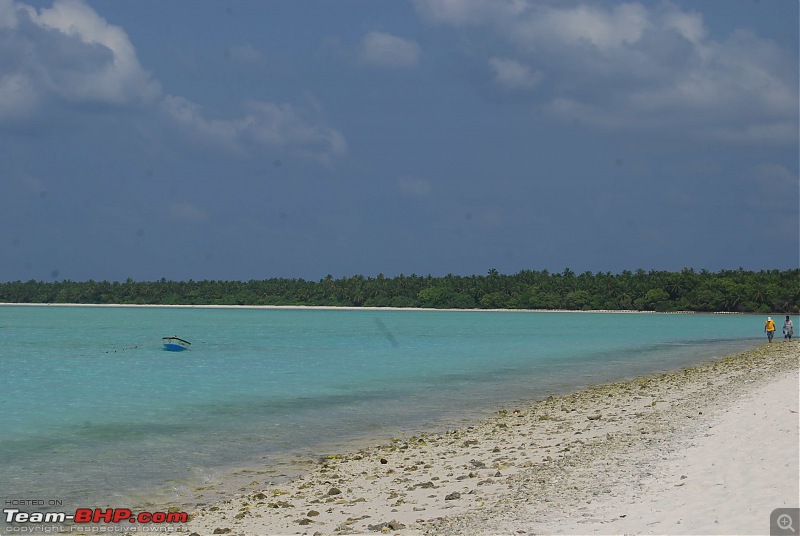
[240, 140]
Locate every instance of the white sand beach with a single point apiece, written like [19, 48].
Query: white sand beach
[712, 449]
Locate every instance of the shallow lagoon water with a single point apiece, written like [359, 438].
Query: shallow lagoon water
[94, 412]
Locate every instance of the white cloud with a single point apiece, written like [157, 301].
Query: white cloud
[469, 12]
[764, 134]
[77, 55]
[187, 212]
[69, 55]
[280, 126]
[774, 176]
[289, 126]
[572, 110]
[773, 187]
[413, 186]
[513, 75]
[738, 88]
[245, 54]
[688, 25]
[526, 22]
[8, 17]
[379, 49]
[588, 24]
[32, 184]
[17, 96]
[634, 66]
[191, 118]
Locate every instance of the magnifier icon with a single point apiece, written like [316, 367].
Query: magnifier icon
[785, 522]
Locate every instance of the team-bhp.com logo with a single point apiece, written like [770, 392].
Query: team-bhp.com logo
[94, 515]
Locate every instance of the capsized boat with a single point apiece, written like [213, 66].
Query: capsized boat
[175, 344]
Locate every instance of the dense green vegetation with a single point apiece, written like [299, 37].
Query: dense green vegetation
[687, 290]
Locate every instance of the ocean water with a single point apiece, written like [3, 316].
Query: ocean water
[94, 412]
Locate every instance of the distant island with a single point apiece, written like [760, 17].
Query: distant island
[740, 291]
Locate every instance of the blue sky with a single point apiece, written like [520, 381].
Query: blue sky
[249, 140]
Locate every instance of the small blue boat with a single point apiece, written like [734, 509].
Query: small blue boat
[175, 344]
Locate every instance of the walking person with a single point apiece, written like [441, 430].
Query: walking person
[788, 328]
[769, 328]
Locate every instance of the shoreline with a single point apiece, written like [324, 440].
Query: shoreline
[351, 308]
[575, 463]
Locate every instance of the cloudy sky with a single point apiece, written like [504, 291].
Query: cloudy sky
[248, 140]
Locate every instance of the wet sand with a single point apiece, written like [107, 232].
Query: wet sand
[711, 449]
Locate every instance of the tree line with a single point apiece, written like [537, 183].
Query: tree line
[766, 291]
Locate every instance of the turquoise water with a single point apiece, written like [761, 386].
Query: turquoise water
[94, 412]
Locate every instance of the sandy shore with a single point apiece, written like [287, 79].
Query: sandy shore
[712, 449]
[350, 308]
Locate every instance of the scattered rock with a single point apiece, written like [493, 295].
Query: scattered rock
[622, 427]
[391, 525]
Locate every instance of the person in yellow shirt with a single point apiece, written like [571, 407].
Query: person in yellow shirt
[769, 328]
